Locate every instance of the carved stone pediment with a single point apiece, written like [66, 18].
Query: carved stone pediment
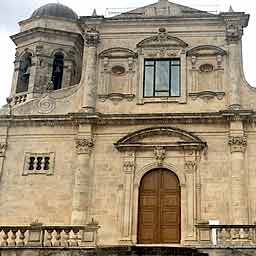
[166, 137]
[162, 39]
[118, 53]
[206, 50]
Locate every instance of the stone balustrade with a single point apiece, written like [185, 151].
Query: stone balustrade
[38, 235]
[228, 235]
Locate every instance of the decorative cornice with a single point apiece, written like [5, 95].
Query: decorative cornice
[92, 37]
[75, 119]
[207, 95]
[206, 50]
[84, 145]
[3, 147]
[160, 154]
[237, 143]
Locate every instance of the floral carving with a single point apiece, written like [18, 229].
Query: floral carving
[160, 154]
[3, 147]
[92, 37]
[237, 143]
[83, 146]
[129, 162]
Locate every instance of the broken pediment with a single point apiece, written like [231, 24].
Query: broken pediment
[166, 137]
[206, 50]
[118, 52]
[164, 8]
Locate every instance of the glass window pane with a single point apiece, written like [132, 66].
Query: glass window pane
[149, 62]
[149, 81]
[162, 75]
[175, 62]
[175, 81]
[159, 94]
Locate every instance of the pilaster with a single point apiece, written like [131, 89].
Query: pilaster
[82, 186]
[92, 39]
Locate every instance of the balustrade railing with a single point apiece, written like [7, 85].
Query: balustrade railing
[20, 99]
[227, 234]
[38, 235]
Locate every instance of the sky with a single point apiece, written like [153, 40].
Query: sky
[13, 11]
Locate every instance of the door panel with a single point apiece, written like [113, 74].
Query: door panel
[159, 208]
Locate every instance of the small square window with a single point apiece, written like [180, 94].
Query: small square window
[161, 78]
[38, 163]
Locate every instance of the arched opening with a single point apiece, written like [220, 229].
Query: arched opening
[24, 73]
[57, 70]
[159, 211]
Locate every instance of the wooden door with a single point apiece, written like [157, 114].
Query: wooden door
[159, 208]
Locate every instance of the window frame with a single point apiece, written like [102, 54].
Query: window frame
[154, 77]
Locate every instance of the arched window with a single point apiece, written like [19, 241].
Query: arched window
[24, 73]
[57, 70]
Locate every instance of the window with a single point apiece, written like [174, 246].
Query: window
[161, 78]
[24, 73]
[57, 70]
[39, 163]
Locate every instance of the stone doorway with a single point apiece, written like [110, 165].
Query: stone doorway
[159, 208]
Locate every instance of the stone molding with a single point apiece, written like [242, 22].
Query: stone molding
[84, 145]
[92, 37]
[234, 32]
[207, 95]
[237, 143]
[3, 147]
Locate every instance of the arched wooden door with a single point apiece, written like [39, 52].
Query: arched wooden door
[159, 208]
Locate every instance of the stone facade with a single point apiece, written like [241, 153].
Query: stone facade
[77, 154]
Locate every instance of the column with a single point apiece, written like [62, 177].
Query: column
[239, 204]
[81, 191]
[90, 84]
[234, 34]
[3, 147]
[126, 222]
[190, 170]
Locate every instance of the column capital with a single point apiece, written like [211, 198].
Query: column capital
[129, 162]
[190, 166]
[92, 37]
[237, 143]
[3, 147]
[234, 32]
[84, 145]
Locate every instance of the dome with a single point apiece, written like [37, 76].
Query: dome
[55, 10]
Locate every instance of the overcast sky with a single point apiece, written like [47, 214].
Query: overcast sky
[12, 11]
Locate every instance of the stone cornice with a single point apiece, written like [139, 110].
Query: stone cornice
[74, 119]
[40, 32]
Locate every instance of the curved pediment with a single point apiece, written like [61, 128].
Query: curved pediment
[118, 52]
[206, 50]
[162, 39]
[167, 137]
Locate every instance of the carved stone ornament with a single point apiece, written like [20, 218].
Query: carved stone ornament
[83, 146]
[190, 166]
[234, 32]
[129, 162]
[3, 147]
[92, 37]
[237, 143]
[46, 105]
[160, 154]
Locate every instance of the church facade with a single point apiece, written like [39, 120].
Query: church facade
[138, 129]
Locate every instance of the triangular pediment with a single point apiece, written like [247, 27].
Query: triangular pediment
[164, 8]
[160, 136]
